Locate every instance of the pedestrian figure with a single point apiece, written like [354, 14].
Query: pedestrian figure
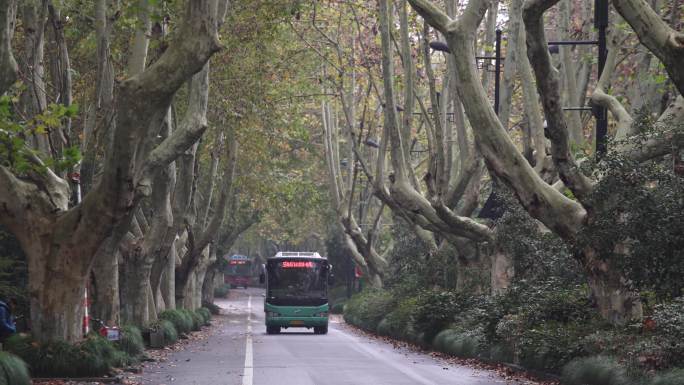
[7, 323]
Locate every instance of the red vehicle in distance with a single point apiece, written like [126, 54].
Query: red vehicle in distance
[238, 271]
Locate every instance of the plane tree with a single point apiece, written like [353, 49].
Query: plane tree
[60, 240]
[566, 216]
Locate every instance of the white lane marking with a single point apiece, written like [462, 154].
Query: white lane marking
[248, 374]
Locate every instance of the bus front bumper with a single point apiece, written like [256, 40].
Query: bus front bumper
[296, 316]
[297, 322]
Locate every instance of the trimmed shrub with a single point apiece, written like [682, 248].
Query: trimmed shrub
[196, 320]
[674, 377]
[598, 370]
[169, 330]
[213, 308]
[94, 357]
[206, 315]
[131, 342]
[13, 370]
[457, 343]
[101, 356]
[180, 319]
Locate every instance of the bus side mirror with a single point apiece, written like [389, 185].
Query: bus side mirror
[262, 278]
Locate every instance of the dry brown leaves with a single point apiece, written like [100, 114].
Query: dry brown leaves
[511, 375]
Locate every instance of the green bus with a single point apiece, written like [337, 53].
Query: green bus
[297, 292]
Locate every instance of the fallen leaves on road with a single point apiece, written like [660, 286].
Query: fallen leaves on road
[510, 374]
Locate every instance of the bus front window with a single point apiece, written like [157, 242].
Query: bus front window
[297, 282]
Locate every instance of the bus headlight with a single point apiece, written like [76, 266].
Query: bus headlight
[321, 314]
[270, 314]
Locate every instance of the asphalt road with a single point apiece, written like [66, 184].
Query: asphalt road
[241, 353]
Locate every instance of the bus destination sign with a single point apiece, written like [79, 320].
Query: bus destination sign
[297, 265]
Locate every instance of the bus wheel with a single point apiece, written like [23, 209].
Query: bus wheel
[321, 329]
[272, 329]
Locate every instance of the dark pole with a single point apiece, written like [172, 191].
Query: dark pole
[497, 71]
[601, 24]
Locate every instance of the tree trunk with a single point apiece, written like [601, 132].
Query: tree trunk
[105, 297]
[616, 301]
[135, 282]
[56, 288]
[168, 285]
[502, 271]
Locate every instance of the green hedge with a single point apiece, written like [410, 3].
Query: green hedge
[205, 314]
[13, 370]
[458, 343]
[368, 308]
[169, 331]
[196, 320]
[181, 320]
[213, 308]
[93, 357]
[131, 342]
[597, 370]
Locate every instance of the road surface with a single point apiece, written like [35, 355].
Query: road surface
[241, 353]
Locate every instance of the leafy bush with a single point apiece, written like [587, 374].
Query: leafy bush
[131, 342]
[368, 308]
[550, 345]
[13, 370]
[435, 310]
[338, 307]
[222, 291]
[398, 323]
[206, 315]
[674, 377]
[639, 216]
[181, 320]
[598, 370]
[669, 330]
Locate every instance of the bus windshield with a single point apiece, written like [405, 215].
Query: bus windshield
[297, 282]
